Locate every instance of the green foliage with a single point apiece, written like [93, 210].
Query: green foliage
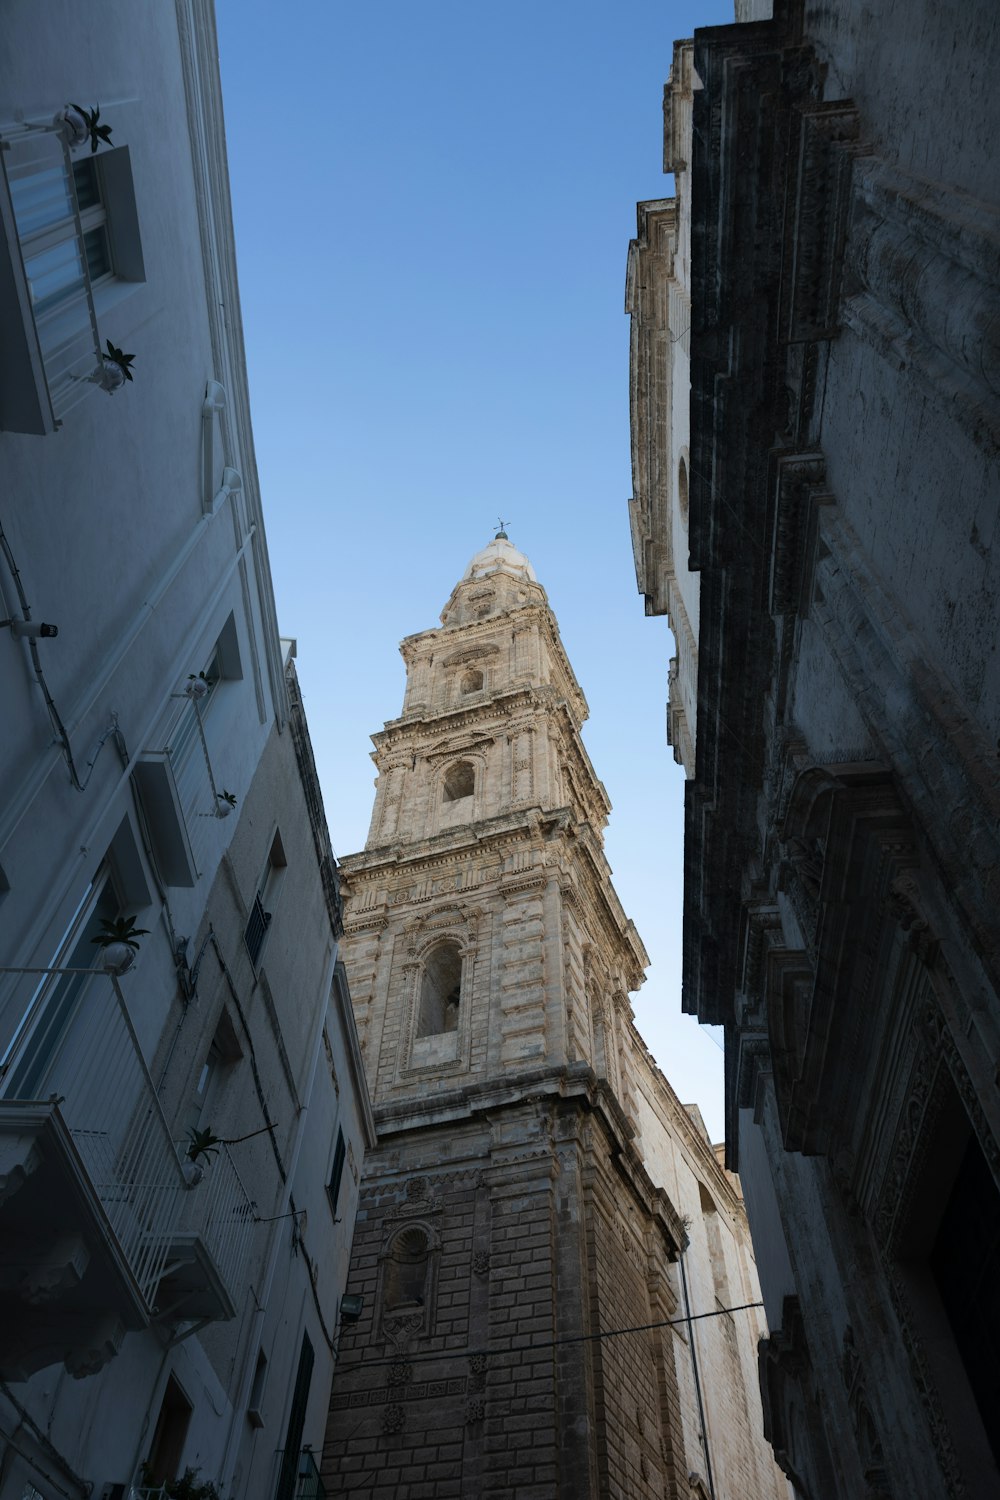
[120, 930]
[225, 796]
[203, 1143]
[98, 133]
[122, 360]
[188, 1487]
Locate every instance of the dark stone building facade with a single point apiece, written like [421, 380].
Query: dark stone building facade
[842, 853]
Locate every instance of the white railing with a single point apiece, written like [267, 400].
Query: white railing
[66, 1035]
[195, 782]
[219, 1210]
[39, 172]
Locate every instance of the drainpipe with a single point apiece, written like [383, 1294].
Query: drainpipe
[253, 1342]
[697, 1381]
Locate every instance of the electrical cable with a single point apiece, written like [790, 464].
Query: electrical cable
[258, 1084]
[55, 718]
[42, 1438]
[576, 1338]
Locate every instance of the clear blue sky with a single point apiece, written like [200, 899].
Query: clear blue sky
[433, 205]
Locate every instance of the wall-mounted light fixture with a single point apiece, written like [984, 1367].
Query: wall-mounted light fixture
[31, 630]
[351, 1307]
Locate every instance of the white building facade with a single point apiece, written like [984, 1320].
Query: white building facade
[179, 1141]
[658, 301]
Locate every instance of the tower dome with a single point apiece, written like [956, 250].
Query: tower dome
[500, 557]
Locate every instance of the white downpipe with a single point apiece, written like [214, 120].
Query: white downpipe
[253, 1340]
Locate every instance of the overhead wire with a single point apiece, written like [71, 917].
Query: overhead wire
[575, 1338]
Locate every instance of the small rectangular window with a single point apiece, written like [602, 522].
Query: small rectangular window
[337, 1171]
[265, 900]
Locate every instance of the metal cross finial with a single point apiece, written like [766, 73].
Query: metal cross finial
[501, 530]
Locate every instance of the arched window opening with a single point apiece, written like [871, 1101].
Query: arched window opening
[407, 1270]
[682, 491]
[441, 991]
[459, 781]
[472, 682]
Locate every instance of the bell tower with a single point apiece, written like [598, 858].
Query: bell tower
[506, 1216]
[470, 910]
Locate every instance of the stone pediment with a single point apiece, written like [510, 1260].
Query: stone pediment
[470, 653]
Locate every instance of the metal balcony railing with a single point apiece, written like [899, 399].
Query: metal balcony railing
[39, 172]
[304, 1477]
[256, 931]
[68, 1041]
[66, 1038]
[220, 1211]
[196, 788]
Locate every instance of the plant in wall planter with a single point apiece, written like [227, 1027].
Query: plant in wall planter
[80, 125]
[198, 685]
[203, 1146]
[224, 803]
[115, 368]
[119, 943]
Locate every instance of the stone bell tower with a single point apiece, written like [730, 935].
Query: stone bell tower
[507, 1221]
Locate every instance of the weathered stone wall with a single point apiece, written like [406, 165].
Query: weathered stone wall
[519, 1195]
[841, 846]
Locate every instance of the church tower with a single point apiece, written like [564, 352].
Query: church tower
[507, 1221]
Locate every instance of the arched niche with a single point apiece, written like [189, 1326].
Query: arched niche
[406, 1279]
[440, 990]
[471, 682]
[459, 781]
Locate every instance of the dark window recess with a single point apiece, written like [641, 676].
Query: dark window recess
[256, 931]
[169, 1434]
[965, 1264]
[441, 990]
[290, 1458]
[407, 1270]
[338, 1170]
[459, 781]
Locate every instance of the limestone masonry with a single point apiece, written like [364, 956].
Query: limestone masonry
[537, 1184]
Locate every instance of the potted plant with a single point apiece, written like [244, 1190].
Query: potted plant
[224, 803]
[203, 1144]
[188, 1487]
[79, 125]
[115, 368]
[119, 943]
[198, 685]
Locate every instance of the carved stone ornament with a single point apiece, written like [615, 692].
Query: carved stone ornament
[478, 1365]
[400, 1328]
[481, 1263]
[393, 1418]
[400, 1371]
[475, 1411]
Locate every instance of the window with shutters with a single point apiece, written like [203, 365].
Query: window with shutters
[70, 235]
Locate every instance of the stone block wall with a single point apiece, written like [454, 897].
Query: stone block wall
[493, 1384]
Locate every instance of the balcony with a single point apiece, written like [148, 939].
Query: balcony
[208, 1249]
[100, 1230]
[179, 793]
[298, 1478]
[52, 355]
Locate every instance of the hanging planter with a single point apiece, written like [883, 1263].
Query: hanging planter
[80, 125]
[224, 803]
[119, 943]
[198, 686]
[71, 122]
[115, 368]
